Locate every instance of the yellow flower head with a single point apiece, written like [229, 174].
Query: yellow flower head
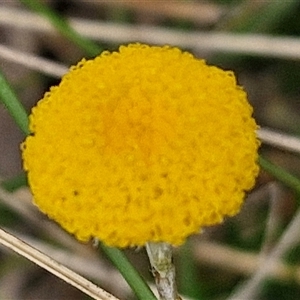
[144, 144]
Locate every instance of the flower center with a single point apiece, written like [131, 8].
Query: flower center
[139, 126]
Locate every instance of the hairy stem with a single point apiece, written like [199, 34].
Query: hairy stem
[160, 256]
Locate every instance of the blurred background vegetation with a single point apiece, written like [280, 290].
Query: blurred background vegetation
[229, 34]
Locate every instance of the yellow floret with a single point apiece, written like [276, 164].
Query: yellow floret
[147, 144]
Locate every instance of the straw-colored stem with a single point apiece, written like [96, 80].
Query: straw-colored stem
[161, 260]
[54, 267]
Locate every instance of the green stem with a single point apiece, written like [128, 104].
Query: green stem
[280, 174]
[138, 285]
[63, 27]
[13, 105]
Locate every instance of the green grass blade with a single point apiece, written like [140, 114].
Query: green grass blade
[281, 174]
[63, 27]
[138, 285]
[13, 105]
[14, 183]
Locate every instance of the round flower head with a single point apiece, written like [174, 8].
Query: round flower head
[147, 144]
